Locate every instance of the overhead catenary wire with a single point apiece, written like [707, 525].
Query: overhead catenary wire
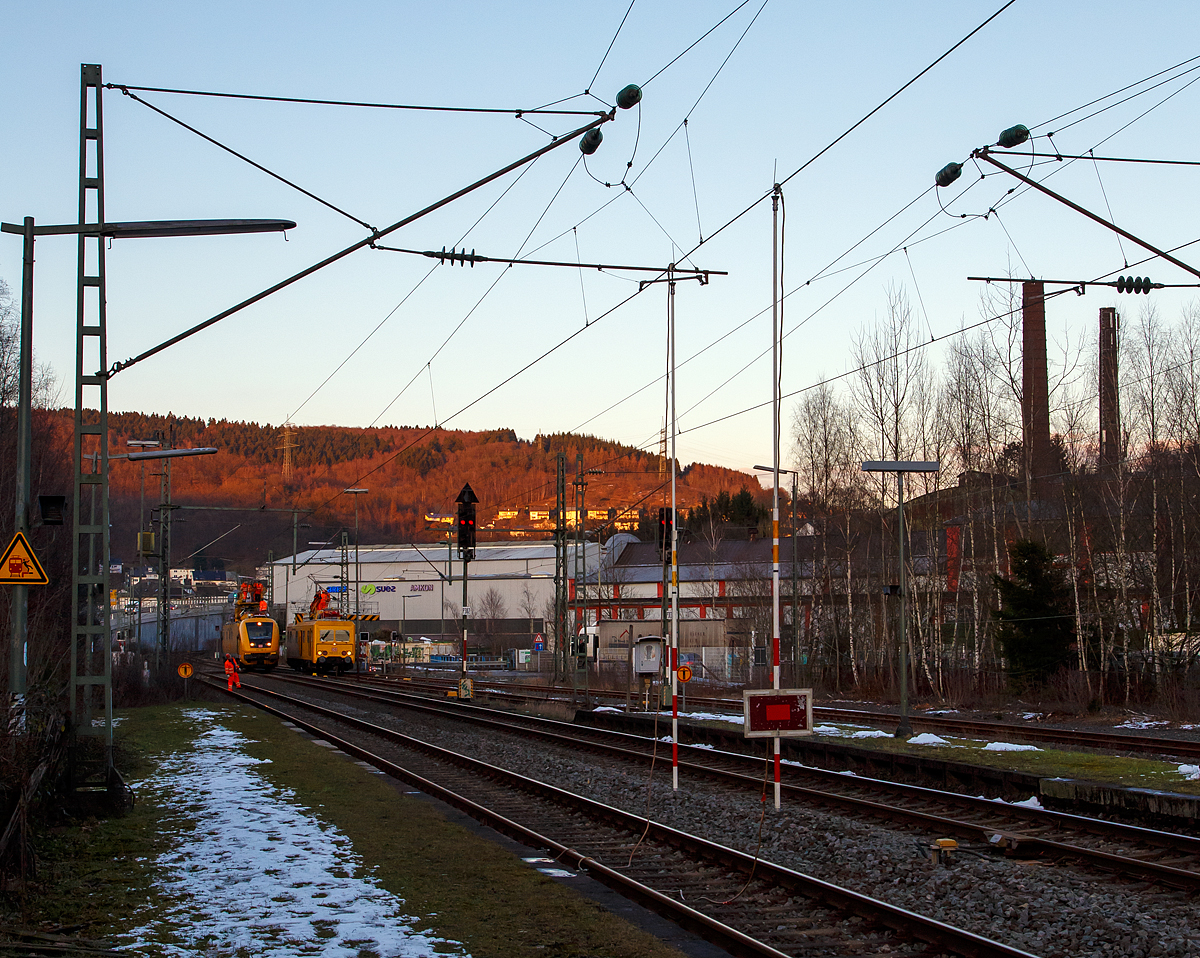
[354, 247]
[425, 108]
[462, 257]
[692, 170]
[854, 126]
[487, 292]
[707, 87]
[1119, 91]
[823, 273]
[871, 264]
[1112, 106]
[693, 44]
[478, 399]
[409, 294]
[618, 304]
[851, 372]
[1006, 5]
[245, 159]
[795, 172]
[611, 42]
[993, 209]
[899, 353]
[1067, 159]
[1108, 206]
[579, 262]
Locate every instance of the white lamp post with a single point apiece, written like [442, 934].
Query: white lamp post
[904, 729]
[357, 571]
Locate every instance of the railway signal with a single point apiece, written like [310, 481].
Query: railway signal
[665, 528]
[466, 549]
[466, 522]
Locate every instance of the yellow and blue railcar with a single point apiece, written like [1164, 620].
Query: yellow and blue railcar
[252, 636]
[253, 642]
[324, 645]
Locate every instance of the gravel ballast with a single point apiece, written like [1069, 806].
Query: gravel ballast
[1048, 909]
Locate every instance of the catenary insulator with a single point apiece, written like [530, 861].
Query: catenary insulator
[948, 174]
[629, 97]
[1013, 136]
[589, 143]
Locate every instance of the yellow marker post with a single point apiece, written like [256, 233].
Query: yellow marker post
[185, 673]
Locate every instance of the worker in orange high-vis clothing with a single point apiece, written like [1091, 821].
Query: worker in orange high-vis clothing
[231, 672]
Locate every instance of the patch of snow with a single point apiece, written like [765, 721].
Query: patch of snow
[738, 719]
[1009, 747]
[871, 733]
[1141, 723]
[1190, 772]
[927, 738]
[608, 708]
[1030, 802]
[827, 730]
[849, 772]
[702, 745]
[1031, 716]
[260, 874]
[1189, 726]
[940, 712]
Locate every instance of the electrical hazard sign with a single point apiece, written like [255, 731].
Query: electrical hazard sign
[19, 566]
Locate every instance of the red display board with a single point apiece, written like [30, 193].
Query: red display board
[777, 712]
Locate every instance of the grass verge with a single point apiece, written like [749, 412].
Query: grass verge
[1044, 762]
[96, 877]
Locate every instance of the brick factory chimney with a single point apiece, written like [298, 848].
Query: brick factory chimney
[1035, 390]
[1110, 400]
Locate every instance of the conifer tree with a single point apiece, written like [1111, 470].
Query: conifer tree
[1036, 627]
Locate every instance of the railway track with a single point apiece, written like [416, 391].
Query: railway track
[748, 906]
[1135, 852]
[1132, 743]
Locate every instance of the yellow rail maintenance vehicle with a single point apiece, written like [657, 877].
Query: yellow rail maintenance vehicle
[322, 641]
[252, 636]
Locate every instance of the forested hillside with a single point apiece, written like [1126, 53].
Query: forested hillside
[410, 472]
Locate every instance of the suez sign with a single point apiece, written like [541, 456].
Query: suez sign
[370, 588]
[777, 712]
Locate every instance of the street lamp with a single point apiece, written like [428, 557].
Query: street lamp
[83, 681]
[357, 571]
[795, 606]
[904, 729]
[164, 544]
[141, 445]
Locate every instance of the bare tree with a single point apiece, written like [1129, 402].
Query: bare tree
[492, 611]
[529, 605]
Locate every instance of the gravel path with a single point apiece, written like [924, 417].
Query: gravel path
[1050, 910]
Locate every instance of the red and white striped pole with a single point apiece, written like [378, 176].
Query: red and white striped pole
[775, 400]
[674, 547]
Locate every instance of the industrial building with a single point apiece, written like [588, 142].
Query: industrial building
[417, 589]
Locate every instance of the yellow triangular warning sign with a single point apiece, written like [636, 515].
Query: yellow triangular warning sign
[19, 566]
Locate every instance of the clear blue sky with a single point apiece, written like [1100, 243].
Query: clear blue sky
[802, 74]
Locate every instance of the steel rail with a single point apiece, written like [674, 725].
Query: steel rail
[1070, 738]
[947, 937]
[1012, 843]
